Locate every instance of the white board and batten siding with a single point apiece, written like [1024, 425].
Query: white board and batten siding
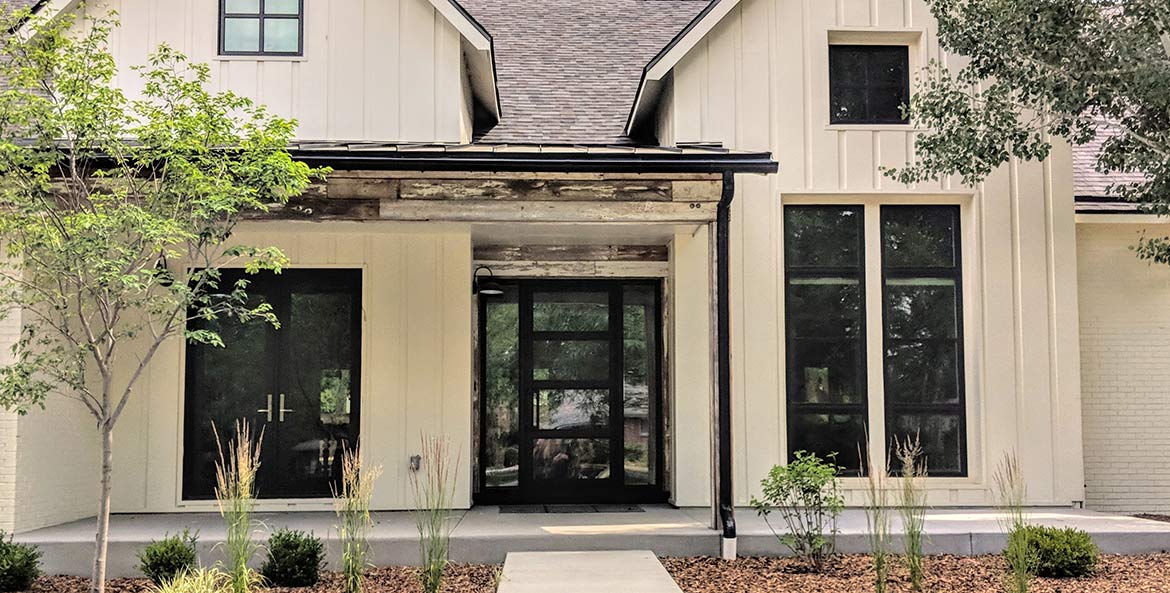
[379, 70]
[760, 81]
[416, 364]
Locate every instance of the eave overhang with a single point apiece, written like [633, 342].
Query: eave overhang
[532, 158]
[655, 73]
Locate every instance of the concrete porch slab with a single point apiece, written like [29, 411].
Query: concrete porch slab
[636, 571]
[485, 535]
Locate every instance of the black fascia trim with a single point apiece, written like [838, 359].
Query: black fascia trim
[760, 163]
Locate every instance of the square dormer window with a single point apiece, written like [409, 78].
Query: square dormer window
[261, 27]
[868, 84]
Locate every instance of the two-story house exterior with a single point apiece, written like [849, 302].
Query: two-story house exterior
[557, 235]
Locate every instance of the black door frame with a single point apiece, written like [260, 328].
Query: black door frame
[612, 490]
[278, 289]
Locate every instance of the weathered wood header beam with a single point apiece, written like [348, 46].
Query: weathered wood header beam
[506, 197]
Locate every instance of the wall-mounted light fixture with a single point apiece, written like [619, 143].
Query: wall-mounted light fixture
[487, 286]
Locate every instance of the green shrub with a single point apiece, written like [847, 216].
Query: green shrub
[20, 565]
[807, 495]
[196, 580]
[295, 559]
[1058, 553]
[165, 559]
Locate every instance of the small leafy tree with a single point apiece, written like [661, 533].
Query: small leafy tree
[807, 495]
[1034, 71]
[98, 192]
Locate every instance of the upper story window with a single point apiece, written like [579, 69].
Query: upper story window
[261, 27]
[868, 84]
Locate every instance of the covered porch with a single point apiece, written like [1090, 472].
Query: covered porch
[486, 534]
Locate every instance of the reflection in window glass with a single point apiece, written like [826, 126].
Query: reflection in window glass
[570, 311]
[824, 309]
[923, 333]
[571, 408]
[501, 390]
[639, 383]
[282, 6]
[570, 459]
[868, 84]
[570, 360]
[242, 6]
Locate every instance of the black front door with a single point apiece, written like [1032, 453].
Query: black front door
[296, 385]
[570, 380]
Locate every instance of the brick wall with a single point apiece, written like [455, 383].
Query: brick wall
[1125, 370]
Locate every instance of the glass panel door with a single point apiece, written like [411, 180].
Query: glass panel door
[570, 392]
[297, 385]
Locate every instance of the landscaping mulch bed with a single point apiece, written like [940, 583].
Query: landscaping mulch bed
[461, 578]
[944, 574]
[1153, 517]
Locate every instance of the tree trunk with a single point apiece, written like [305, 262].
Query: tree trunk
[98, 577]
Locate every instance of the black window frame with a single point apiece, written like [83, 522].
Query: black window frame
[793, 407]
[837, 83]
[260, 17]
[953, 272]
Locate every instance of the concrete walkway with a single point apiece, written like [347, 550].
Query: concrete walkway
[637, 571]
[485, 535]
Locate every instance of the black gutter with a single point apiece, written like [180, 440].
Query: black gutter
[726, 501]
[715, 162]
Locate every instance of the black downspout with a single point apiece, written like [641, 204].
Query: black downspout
[723, 397]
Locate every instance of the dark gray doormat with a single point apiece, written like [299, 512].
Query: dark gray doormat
[530, 509]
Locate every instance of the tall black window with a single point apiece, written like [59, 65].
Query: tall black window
[824, 259]
[261, 27]
[868, 84]
[921, 294]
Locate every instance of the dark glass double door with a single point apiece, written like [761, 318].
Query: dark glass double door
[570, 381]
[296, 385]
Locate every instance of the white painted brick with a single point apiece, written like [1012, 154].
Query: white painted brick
[1125, 375]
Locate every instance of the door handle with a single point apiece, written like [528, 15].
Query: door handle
[268, 410]
[284, 409]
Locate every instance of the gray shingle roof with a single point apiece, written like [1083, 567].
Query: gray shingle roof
[1087, 180]
[568, 70]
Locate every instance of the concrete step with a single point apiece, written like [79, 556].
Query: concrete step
[630, 571]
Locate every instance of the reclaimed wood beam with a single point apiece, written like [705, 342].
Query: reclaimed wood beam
[550, 253]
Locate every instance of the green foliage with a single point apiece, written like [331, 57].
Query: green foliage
[198, 580]
[912, 505]
[352, 505]
[20, 565]
[235, 493]
[295, 559]
[165, 559]
[1055, 552]
[117, 212]
[1037, 70]
[1012, 492]
[807, 495]
[434, 494]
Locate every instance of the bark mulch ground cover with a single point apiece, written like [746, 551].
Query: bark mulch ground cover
[461, 578]
[944, 574]
[1153, 517]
